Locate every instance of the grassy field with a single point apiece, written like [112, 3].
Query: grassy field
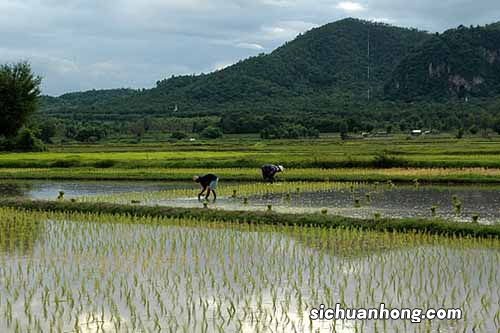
[435, 175]
[251, 153]
[239, 158]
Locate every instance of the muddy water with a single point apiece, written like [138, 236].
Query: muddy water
[458, 203]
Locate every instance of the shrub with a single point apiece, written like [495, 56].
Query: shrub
[211, 133]
[384, 160]
[178, 135]
[27, 141]
[104, 164]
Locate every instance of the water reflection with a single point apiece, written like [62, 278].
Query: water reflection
[49, 190]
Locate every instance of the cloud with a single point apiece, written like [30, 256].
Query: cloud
[251, 46]
[221, 65]
[77, 44]
[350, 7]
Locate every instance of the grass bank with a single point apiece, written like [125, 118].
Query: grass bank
[426, 175]
[438, 227]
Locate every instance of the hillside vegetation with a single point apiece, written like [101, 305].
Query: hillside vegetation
[351, 75]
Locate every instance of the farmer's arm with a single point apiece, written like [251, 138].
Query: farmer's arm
[202, 191]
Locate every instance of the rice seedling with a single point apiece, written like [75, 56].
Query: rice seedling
[357, 202]
[475, 218]
[86, 272]
[434, 211]
[225, 191]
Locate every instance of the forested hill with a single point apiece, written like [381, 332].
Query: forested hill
[460, 63]
[318, 70]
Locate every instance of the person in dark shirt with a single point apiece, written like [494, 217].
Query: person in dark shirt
[270, 170]
[208, 183]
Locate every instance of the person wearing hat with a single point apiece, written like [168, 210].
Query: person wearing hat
[208, 183]
[270, 170]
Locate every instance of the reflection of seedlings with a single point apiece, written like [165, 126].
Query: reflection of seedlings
[357, 203]
[234, 193]
[245, 201]
[433, 211]
[288, 197]
[297, 190]
[416, 182]
[475, 218]
[368, 197]
[269, 208]
[351, 188]
[324, 211]
[61, 195]
[205, 204]
[197, 261]
[136, 201]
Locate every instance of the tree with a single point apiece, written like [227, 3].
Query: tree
[344, 128]
[48, 130]
[211, 133]
[137, 129]
[19, 93]
[178, 135]
[496, 126]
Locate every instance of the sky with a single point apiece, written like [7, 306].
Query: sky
[78, 45]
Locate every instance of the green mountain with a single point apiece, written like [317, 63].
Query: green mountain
[350, 74]
[458, 64]
[323, 66]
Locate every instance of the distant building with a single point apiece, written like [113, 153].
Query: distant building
[416, 132]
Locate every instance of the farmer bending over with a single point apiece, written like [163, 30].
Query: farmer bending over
[208, 183]
[270, 170]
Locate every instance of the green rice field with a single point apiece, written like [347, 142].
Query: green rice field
[112, 238]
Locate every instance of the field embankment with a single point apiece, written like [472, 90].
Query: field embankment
[433, 226]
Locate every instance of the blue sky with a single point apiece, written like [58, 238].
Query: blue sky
[96, 44]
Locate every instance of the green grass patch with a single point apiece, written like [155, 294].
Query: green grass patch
[424, 175]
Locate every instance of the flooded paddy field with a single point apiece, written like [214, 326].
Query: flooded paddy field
[461, 203]
[64, 272]
[49, 189]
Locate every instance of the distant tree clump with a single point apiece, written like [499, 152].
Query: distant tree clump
[344, 129]
[19, 93]
[178, 135]
[288, 131]
[47, 130]
[211, 133]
